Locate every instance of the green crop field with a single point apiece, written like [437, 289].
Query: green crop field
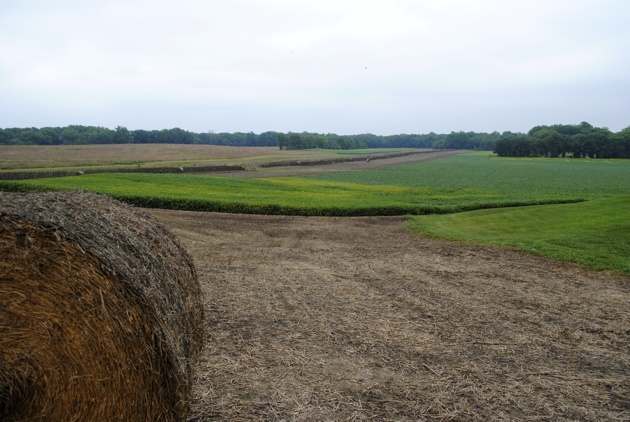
[594, 233]
[487, 176]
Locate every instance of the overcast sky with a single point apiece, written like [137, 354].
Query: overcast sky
[338, 66]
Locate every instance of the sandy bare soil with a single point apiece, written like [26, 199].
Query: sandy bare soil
[356, 319]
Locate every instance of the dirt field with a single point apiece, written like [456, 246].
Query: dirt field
[356, 319]
[304, 170]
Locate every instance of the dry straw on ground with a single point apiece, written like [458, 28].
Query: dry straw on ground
[355, 319]
[100, 312]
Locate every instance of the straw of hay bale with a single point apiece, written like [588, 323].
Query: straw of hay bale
[101, 315]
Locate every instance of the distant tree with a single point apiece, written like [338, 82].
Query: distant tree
[600, 139]
[6, 137]
[209, 138]
[143, 137]
[366, 140]
[346, 142]
[623, 140]
[100, 135]
[51, 136]
[457, 140]
[33, 136]
[484, 141]
[267, 139]
[283, 141]
[122, 136]
[512, 144]
[577, 141]
[180, 136]
[297, 141]
[502, 148]
[70, 136]
[555, 144]
[578, 145]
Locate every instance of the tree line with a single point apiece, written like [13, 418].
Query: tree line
[581, 140]
[454, 140]
[85, 135]
[578, 141]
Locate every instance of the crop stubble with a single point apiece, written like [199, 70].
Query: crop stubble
[356, 319]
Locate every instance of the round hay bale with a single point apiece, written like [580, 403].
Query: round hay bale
[101, 314]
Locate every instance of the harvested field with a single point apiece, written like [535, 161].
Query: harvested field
[20, 157]
[54, 156]
[356, 319]
[101, 317]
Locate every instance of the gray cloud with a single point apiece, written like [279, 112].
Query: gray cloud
[340, 66]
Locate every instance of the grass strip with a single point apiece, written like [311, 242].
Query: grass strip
[595, 234]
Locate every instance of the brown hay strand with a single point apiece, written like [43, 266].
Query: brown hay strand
[101, 314]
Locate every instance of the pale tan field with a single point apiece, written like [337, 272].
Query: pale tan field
[78, 156]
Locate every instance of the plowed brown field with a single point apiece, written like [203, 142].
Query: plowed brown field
[357, 319]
